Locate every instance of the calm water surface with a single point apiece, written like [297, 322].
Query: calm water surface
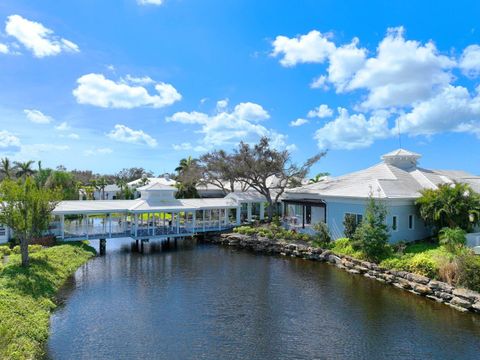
[209, 302]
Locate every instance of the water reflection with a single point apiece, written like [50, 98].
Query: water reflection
[191, 301]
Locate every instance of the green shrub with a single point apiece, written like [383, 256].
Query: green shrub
[31, 249]
[322, 233]
[453, 239]
[350, 225]
[423, 264]
[469, 271]
[4, 250]
[371, 236]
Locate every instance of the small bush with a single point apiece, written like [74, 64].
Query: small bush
[453, 239]
[31, 249]
[469, 271]
[423, 264]
[322, 233]
[4, 251]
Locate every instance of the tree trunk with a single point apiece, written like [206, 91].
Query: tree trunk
[270, 210]
[24, 251]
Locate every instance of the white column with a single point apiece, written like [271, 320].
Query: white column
[262, 211]
[238, 213]
[226, 216]
[110, 225]
[62, 227]
[219, 219]
[194, 215]
[178, 223]
[249, 212]
[86, 229]
[136, 224]
[203, 219]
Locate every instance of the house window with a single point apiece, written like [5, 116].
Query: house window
[358, 217]
[394, 223]
[411, 222]
[3, 230]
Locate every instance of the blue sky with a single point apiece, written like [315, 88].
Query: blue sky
[110, 84]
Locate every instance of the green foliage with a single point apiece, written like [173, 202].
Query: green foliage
[4, 251]
[450, 206]
[322, 234]
[469, 271]
[350, 225]
[371, 236]
[421, 263]
[31, 249]
[344, 246]
[25, 207]
[64, 181]
[452, 239]
[27, 294]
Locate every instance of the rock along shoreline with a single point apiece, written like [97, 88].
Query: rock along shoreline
[458, 298]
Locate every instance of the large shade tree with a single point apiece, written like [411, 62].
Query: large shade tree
[26, 208]
[263, 168]
[450, 205]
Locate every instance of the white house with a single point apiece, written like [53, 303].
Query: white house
[397, 180]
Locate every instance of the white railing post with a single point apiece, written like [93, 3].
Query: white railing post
[62, 226]
[238, 214]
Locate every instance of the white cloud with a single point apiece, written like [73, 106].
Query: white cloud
[352, 131]
[73, 136]
[229, 127]
[37, 116]
[298, 122]
[182, 147]
[320, 83]
[454, 109]
[97, 151]
[63, 126]
[150, 2]
[95, 89]
[222, 104]
[470, 61]
[313, 47]
[143, 80]
[125, 134]
[4, 49]
[36, 151]
[37, 38]
[404, 71]
[8, 140]
[345, 61]
[322, 111]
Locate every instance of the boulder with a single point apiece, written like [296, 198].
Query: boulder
[466, 294]
[458, 301]
[443, 295]
[422, 289]
[439, 285]
[418, 278]
[476, 306]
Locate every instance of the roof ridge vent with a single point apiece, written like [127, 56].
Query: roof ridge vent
[401, 158]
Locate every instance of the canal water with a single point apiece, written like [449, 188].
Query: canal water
[197, 301]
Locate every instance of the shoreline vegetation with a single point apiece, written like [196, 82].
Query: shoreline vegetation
[28, 294]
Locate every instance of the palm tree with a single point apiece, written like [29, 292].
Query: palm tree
[24, 169]
[319, 177]
[102, 183]
[6, 168]
[121, 183]
[185, 164]
[143, 181]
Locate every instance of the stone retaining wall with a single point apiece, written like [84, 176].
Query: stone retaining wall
[458, 298]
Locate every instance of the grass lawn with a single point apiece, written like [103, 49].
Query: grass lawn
[27, 297]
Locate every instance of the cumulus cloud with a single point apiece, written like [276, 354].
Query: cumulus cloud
[37, 116]
[453, 109]
[322, 111]
[470, 61]
[182, 147]
[298, 122]
[40, 40]
[320, 82]
[125, 134]
[229, 127]
[4, 49]
[97, 151]
[95, 89]
[313, 47]
[352, 131]
[8, 141]
[63, 126]
[150, 2]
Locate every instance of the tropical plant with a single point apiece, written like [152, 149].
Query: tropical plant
[322, 233]
[371, 236]
[469, 270]
[451, 205]
[319, 177]
[65, 181]
[350, 225]
[453, 239]
[24, 169]
[7, 170]
[25, 208]
[102, 184]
